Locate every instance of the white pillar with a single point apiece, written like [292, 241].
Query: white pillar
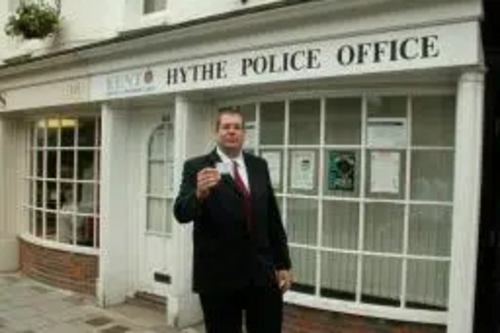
[114, 263]
[13, 190]
[466, 202]
[192, 137]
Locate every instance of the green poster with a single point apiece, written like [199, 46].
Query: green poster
[341, 169]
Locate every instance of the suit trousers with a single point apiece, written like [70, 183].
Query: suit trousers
[261, 307]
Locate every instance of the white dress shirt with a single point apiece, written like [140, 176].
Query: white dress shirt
[240, 161]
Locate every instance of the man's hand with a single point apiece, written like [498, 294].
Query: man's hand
[284, 279]
[206, 179]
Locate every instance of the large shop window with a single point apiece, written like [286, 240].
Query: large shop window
[64, 180]
[365, 187]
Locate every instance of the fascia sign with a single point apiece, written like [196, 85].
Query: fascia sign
[412, 49]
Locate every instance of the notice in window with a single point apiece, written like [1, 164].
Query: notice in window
[384, 177]
[302, 177]
[273, 159]
[387, 132]
[341, 168]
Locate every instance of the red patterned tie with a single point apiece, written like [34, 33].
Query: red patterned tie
[240, 185]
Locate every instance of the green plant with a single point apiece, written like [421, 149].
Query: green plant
[33, 20]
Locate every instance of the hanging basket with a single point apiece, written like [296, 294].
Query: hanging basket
[33, 20]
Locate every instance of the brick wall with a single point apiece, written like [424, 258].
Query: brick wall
[65, 270]
[304, 320]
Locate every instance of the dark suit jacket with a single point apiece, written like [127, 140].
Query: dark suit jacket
[226, 255]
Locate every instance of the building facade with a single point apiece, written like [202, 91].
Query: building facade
[369, 114]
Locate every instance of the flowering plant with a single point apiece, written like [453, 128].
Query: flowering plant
[33, 20]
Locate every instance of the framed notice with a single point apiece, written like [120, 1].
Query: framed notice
[303, 166]
[273, 159]
[387, 132]
[384, 177]
[341, 170]
[250, 135]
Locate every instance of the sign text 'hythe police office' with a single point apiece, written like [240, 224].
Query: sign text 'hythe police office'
[385, 51]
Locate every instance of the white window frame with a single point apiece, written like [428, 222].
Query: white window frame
[32, 178]
[356, 307]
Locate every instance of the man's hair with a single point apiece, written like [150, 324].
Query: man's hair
[232, 110]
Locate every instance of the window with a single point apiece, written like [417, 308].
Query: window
[160, 179]
[64, 179]
[365, 187]
[153, 6]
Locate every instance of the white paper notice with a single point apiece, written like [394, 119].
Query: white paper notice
[302, 177]
[250, 135]
[384, 176]
[273, 159]
[387, 132]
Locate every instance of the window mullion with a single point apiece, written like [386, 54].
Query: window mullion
[362, 194]
[321, 176]
[44, 184]
[75, 186]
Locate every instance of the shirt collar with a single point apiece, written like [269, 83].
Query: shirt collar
[227, 160]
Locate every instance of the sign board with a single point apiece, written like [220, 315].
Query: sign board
[411, 49]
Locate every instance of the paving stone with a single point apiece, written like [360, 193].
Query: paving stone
[116, 329]
[99, 321]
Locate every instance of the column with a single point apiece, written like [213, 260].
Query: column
[466, 211]
[192, 137]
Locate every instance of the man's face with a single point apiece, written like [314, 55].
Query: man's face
[230, 133]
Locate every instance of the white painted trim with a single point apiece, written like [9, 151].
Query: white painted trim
[385, 312]
[59, 246]
[467, 192]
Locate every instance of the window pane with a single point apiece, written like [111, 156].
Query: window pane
[156, 214]
[305, 122]
[302, 221]
[68, 131]
[384, 225]
[53, 133]
[303, 171]
[157, 179]
[381, 280]
[86, 165]
[169, 217]
[87, 132]
[340, 224]
[51, 171]
[382, 178]
[157, 144]
[430, 230]
[338, 275]
[342, 173]
[427, 284]
[433, 121]
[151, 6]
[304, 270]
[272, 123]
[67, 167]
[40, 134]
[381, 107]
[343, 121]
[432, 175]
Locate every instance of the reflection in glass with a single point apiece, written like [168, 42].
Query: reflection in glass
[338, 275]
[304, 271]
[305, 122]
[432, 175]
[387, 106]
[343, 121]
[381, 280]
[427, 285]
[272, 123]
[302, 221]
[340, 224]
[433, 121]
[430, 230]
[384, 226]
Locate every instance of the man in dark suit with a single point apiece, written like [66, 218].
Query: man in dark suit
[241, 261]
